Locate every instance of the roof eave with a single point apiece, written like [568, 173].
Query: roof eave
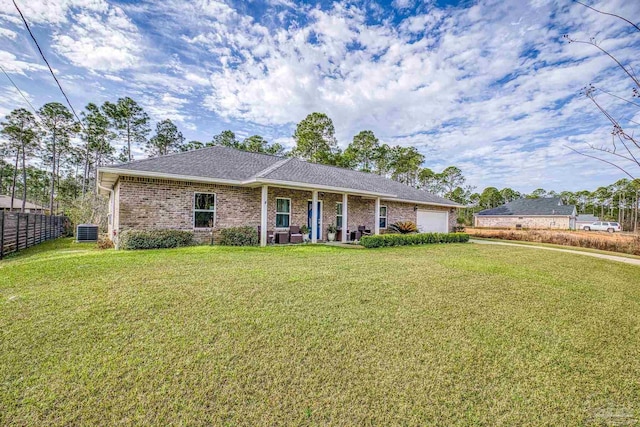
[114, 173]
[422, 202]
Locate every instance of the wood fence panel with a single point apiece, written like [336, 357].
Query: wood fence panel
[19, 231]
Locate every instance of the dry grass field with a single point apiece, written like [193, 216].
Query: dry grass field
[615, 242]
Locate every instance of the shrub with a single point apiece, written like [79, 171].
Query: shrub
[403, 227]
[386, 240]
[239, 236]
[104, 242]
[155, 239]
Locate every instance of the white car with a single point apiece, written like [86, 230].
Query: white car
[611, 227]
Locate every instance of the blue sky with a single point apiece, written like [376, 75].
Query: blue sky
[487, 85]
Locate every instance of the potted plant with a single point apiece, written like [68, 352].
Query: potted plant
[331, 232]
[304, 230]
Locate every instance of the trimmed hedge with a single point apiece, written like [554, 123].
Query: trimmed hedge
[155, 239]
[385, 240]
[239, 236]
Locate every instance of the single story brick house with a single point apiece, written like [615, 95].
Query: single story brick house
[543, 213]
[213, 188]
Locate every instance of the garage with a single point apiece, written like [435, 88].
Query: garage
[433, 221]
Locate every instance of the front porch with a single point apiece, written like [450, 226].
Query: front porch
[284, 207]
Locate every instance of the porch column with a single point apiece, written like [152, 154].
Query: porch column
[314, 216]
[263, 217]
[376, 226]
[345, 218]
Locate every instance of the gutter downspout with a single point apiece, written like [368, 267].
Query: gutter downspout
[112, 198]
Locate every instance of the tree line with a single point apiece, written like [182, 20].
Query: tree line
[52, 159]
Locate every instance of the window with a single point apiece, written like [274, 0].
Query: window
[283, 212]
[204, 210]
[383, 217]
[339, 215]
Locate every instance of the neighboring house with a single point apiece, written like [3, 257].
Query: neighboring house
[529, 213]
[213, 188]
[5, 205]
[585, 219]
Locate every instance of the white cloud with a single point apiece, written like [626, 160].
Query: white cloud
[12, 64]
[5, 32]
[492, 88]
[101, 42]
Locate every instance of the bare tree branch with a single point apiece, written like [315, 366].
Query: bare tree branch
[594, 44]
[619, 97]
[609, 14]
[601, 160]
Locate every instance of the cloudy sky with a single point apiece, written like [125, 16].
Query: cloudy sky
[487, 85]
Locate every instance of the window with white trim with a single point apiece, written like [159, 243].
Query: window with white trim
[204, 210]
[383, 217]
[283, 212]
[339, 214]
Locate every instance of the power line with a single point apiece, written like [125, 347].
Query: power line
[47, 62]
[18, 89]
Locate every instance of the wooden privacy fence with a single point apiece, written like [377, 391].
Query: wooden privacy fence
[22, 230]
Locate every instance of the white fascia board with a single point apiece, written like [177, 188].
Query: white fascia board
[176, 177]
[523, 216]
[310, 187]
[422, 202]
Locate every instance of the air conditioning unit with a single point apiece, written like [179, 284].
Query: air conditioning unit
[86, 233]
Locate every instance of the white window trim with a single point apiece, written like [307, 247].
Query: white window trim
[341, 215]
[283, 213]
[386, 217]
[215, 210]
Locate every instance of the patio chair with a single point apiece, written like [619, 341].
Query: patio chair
[295, 236]
[271, 237]
[364, 231]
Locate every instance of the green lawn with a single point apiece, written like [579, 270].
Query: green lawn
[458, 334]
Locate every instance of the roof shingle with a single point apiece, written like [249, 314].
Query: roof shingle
[551, 206]
[230, 164]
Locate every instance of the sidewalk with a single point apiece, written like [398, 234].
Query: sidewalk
[632, 261]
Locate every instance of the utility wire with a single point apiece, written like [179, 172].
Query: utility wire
[19, 91]
[47, 62]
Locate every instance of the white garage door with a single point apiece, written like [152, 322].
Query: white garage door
[433, 221]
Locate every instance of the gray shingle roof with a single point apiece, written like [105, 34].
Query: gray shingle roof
[551, 206]
[5, 203]
[210, 162]
[312, 173]
[230, 164]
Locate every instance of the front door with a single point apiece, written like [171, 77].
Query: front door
[319, 223]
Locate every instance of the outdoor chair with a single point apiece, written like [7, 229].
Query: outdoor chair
[295, 236]
[362, 229]
[271, 237]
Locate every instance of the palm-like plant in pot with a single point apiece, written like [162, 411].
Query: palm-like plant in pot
[331, 232]
[304, 230]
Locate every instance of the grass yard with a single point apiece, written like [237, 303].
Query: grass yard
[457, 334]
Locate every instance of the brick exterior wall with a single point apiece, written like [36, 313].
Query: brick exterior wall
[148, 203]
[532, 222]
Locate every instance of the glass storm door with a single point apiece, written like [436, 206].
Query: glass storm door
[319, 223]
